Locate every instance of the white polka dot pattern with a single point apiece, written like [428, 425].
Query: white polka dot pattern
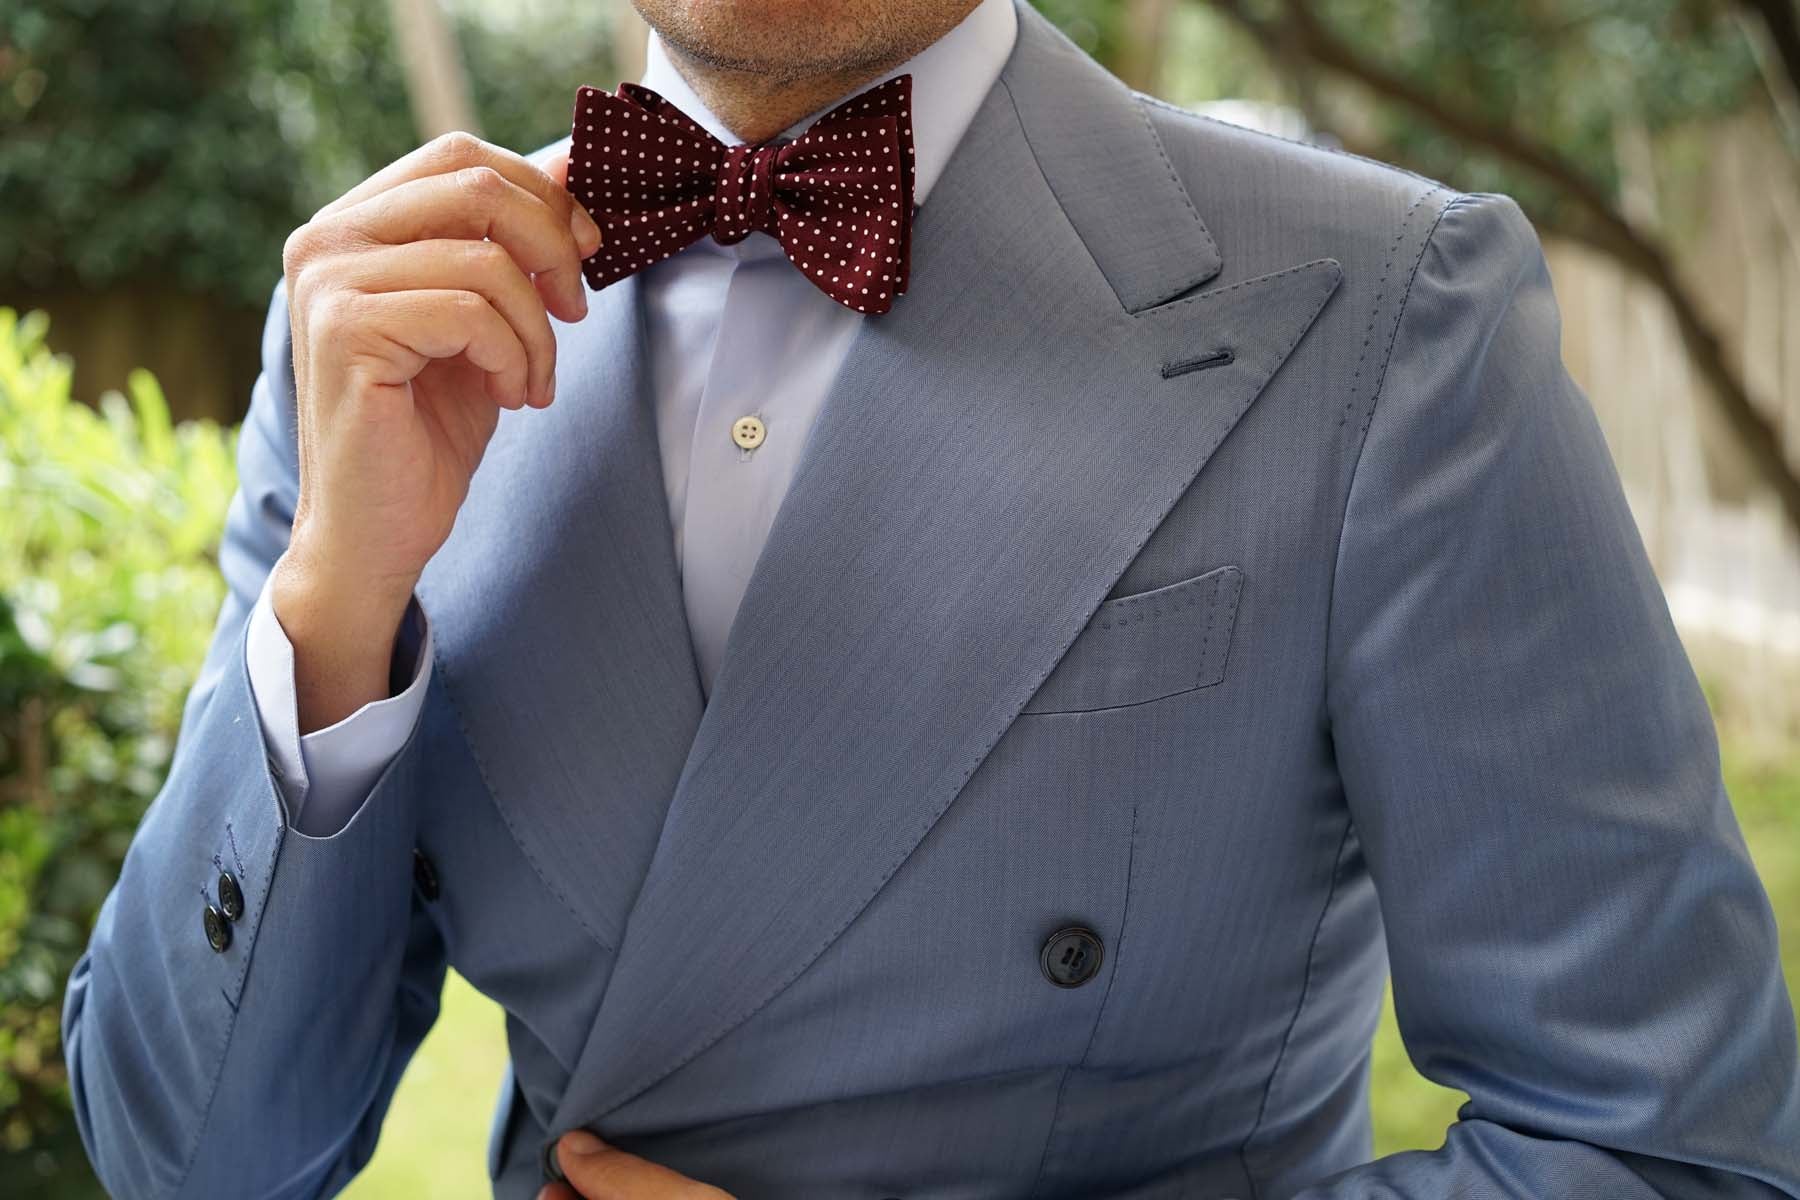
[839, 197]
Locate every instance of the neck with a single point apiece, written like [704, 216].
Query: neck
[756, 105]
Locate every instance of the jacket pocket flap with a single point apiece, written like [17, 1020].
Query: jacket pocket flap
[1146, 646]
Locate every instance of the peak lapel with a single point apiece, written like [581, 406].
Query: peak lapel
[560, 632]
[995, 452]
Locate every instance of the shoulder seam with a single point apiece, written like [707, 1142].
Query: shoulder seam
[1456, 199]
[1400, 311]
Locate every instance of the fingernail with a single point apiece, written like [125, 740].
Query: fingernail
[587, 234]
[582, 1141]
[550, 392]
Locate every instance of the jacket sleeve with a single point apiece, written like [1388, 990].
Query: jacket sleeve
[262, 1069]
[1577, 937]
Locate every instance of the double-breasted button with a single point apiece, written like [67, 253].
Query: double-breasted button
[424, 875]
[1071, 956]
[231, 896]
[218, 929]
[552, 1170]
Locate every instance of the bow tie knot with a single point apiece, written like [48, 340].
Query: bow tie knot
[745, 196]
[839, 198]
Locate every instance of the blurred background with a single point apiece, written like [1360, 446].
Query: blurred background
[154, 154]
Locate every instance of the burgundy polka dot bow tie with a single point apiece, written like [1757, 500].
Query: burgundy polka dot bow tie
[839, 197]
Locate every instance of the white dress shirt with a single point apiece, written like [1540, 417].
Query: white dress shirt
[732, 331]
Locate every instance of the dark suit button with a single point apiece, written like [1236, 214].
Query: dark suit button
[231, 897]
[547, 1160]
[1071, 956]
[218, 929]
[424, 875]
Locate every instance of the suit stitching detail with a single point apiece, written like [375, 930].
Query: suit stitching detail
[1162, 153]
[1180, 595]
[1363, 427]
[1212, 614]
[1337, 868]
[1025, 136]
[1237, 593]
[1100, 1014]
[1375, 309]
[487, 781]
[1214, 293]
[1394, 333]
[236, 857]
[1207, 678]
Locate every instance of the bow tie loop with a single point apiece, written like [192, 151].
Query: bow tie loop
[839, 198]
[745, 196]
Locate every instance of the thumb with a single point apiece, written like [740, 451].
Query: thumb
[602, 1172]
[557, 168]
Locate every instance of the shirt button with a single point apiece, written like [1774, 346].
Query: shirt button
[231, 896]
[218, 929]
[1071, 956]
[748, 432]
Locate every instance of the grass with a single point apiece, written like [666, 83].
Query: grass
[434, 1142]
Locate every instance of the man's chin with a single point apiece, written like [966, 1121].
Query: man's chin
[798, 38]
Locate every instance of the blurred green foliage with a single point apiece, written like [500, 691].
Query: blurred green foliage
[1577, 79]
[1569, 76]
[109, 589]
[180, 141]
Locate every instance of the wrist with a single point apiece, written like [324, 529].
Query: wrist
[343, 633]
[315, 583]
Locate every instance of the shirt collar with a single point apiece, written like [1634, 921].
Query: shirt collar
[950, 78]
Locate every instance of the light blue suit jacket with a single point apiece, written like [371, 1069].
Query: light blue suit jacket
[1209, 550]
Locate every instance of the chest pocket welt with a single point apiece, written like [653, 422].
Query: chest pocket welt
[1146, 646]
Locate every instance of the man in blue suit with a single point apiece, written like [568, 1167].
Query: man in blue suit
[993, 747]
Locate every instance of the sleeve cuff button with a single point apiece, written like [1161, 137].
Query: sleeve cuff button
[231, 896]
[218, 929]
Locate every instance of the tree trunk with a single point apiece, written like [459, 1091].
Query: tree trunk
[436, 84]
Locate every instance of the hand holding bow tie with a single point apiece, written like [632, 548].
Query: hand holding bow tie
[839, 197]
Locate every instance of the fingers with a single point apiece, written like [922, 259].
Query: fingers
[475, 203]
[482, 267]
[602, 1172]
[389, 336]
[469, 189]
[557, 168]
[456, 150]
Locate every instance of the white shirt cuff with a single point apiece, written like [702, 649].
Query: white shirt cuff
[326, 775]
